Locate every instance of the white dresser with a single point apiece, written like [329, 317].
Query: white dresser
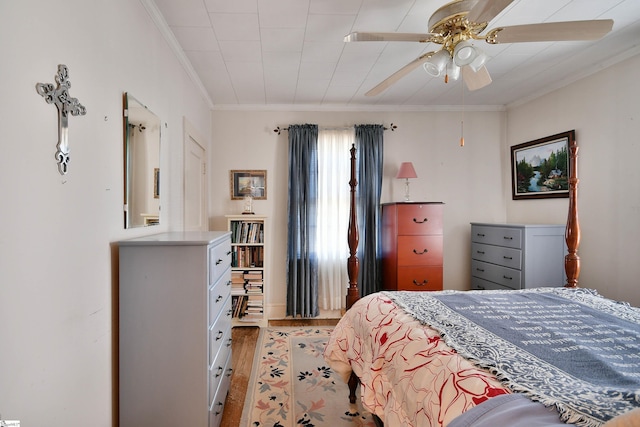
[174, 329]
[517, 256]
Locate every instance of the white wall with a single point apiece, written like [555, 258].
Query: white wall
[58, 263]
[603, 109]
[467, 179]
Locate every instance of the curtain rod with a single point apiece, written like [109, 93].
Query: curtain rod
[279, 130]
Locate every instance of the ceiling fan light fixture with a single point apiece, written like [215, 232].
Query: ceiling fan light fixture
[436, 64]
[477, 63]
[453, 71]
[465, 53]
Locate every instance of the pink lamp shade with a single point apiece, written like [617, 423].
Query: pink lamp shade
[406, 171]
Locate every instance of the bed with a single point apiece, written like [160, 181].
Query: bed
[538, 357]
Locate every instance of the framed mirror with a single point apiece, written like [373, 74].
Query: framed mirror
[141, 164]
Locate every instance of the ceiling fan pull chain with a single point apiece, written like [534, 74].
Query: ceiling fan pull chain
[462, 120]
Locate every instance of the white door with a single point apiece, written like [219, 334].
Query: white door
[195, 180]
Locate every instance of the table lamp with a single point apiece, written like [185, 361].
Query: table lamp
[405, 172]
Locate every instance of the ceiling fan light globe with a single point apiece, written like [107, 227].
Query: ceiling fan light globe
[453, 71]
[480, 60]
[431, 69]
[465, 53]
[437, 63]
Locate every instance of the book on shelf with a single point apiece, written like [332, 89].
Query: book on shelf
[243, 231]
[247, 257]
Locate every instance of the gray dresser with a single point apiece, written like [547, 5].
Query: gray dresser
[517, 256]
[174, 329]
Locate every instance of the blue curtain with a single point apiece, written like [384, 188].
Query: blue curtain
[369, 142]
[302, 262]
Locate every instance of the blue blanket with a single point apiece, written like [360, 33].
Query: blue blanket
[567, 348]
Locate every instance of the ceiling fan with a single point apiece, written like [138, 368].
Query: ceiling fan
[458, 24]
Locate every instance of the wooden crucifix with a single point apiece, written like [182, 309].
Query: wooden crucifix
[60, 97]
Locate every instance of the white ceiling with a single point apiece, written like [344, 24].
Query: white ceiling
[275, 53]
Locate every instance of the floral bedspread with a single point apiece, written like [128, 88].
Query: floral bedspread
[409, 376]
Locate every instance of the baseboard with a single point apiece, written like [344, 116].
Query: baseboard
[279, 312]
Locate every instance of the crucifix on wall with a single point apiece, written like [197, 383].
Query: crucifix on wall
[60, 97]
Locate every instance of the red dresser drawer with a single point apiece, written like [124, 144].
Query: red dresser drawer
[416, 219]
[420, 278]
[419, 250]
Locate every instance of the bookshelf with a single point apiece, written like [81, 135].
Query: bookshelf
[248, 276]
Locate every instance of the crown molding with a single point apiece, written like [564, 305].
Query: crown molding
[163, 27]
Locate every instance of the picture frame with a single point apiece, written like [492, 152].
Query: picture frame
[248, 183]
[156, 183]
[541, 169]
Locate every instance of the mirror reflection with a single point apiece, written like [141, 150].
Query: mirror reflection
[141, 165]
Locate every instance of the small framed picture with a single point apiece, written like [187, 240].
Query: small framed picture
[248, 183]
[541, 169]
[156, 183]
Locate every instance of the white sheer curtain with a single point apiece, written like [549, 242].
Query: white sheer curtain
[333, 215]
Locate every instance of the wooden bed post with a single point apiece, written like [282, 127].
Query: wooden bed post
[572, 233]
[353, 265]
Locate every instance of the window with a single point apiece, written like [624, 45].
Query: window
[333, 215]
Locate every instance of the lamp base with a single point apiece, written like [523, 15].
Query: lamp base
[407, 198]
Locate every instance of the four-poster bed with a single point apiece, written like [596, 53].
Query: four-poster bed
[425, 358]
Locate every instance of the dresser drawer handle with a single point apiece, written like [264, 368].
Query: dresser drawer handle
[481, 270]
[219, 411]
[229, 372]
[229, 342]
[219, 298]
[507, 257]
[218, 261]
[507, 277]
[229, 283]
[420, 222]
[220, 335]
[424, 282]
[480, 234]
[220, 371]
[229, 253]
[420, 253]
[480, 252]
[507, 238]
[229, 312]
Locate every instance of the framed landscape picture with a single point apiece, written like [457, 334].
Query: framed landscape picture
[248, 183]
[541, 169]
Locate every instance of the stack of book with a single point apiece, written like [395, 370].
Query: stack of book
[248, 300]
[237, 282]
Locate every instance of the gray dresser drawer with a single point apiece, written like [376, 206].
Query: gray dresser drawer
[219, 260]
[500, 236]
[220, 331]
[500, 255]
[218, 401]
[478, 284]
[494, 273]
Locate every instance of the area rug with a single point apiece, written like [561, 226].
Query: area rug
[291, 384]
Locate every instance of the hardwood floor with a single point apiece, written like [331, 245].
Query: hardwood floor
[243, 347]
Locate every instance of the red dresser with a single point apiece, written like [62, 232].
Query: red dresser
[412, 246]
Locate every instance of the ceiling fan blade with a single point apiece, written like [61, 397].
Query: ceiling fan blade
[381, 87]
[551, 31]
[476, 79]
[486, 10]
[389, 37]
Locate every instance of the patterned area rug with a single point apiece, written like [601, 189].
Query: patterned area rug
[291, 385]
